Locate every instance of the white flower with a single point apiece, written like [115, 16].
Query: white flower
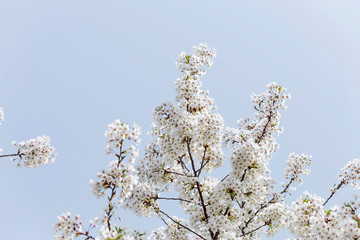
[35, 152]
[118, 132]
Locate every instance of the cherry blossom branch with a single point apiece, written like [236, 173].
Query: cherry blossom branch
[176, 199]
[203, 163]
[198, 186]
[287, 186]
[243, 176]
[225, 177]
[86, 234]
[263, 206]
[176, 173]
[183, 165]
[252, 231]
[113, 190]
[187, 140]
[12, 155]
[334, 191]
[178, 223]
[264, 129]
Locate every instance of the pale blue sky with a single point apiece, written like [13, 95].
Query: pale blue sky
[68, 68]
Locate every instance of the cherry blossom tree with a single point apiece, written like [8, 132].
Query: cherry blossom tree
[32, 153]
[187, 146]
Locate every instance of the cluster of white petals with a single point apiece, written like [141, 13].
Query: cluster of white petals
[118, 176]
[186, 146]
[35, 152]
[173, 231]
[118, 132]
[309, 220]
[119, 233]
[350, 174]
[67, 227]
[188, 141]
[295, 166]
[309, 208]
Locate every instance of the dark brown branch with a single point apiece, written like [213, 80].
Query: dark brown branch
[334, 191]
[264, 130]
[242, 204]
[202, 201]
[243, 176]
[287, 186]
[110, 207]
[203, 163]
[178, 223]
[12, 155]
[187, 140]
[225, 177]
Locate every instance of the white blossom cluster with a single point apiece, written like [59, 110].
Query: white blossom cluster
[118, 183]
[118, 132]
[116, 176]
[350, 174]
[119, 234]
[187, 143]
[295, 166]
[35, 152]
[309, 219]
[68, 226]
[173, 231]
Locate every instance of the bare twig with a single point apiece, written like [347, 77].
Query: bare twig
[12, 155]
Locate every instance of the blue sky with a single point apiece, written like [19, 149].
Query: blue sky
[68, 68]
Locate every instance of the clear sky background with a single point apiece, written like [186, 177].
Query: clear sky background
[68, 68]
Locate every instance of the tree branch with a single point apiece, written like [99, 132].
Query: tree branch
[178, 223]
[263, 206]
[264, 130]
[12, 155]
[176, 199]
[252, 231]
[113, 191]
[334, 191]
[203, 163]
[187, 140]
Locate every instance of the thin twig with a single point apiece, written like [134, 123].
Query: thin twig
[334, 191]
[203, 163]
[244, 234]
[264, 129]
[12, 155]
[176, 199]
[178, 223]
